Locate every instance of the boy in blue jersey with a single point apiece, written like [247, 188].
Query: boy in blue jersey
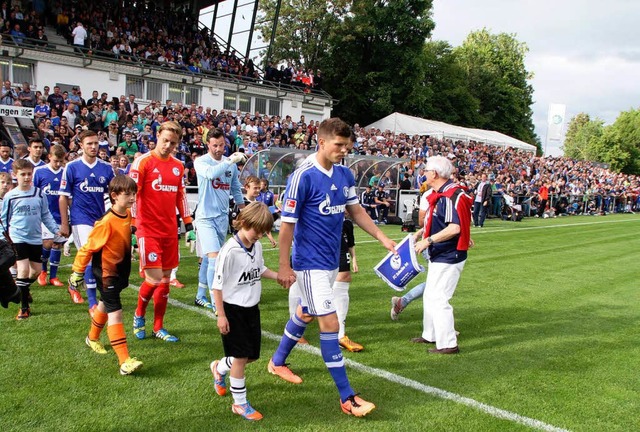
[24, 209]
[217, 180]
[5, 157]
[84, 183]
[316, 197]
[47, 178]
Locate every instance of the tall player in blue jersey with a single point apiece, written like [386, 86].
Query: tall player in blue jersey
[48, 178]
[84, 182]
[316, 197]
[217, 180]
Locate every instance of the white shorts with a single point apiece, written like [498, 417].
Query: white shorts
[48, 235]
[80, 234]
[316, 291]
[212, 233]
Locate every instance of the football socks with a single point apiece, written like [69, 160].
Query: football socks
[332, 357]
[293, 331]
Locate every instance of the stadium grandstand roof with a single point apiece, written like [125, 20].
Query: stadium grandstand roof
[403, 123]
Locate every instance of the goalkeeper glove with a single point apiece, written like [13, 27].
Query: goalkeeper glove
[238, 157]
[76, 280]
[188, 227]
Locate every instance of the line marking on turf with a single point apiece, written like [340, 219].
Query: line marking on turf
[398, 379]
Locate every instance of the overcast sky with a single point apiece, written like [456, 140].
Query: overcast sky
[583, 53]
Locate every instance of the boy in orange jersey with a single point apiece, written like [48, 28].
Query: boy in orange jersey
[159, 177]
[108, 248]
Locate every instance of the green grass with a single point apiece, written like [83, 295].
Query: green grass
[547, 311]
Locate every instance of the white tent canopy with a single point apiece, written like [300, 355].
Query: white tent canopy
[402, 123]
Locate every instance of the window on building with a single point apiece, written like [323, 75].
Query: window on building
[260, 105]
[230, 101]
[274, 107]
[244, 103]
[154, 90]
[135, 86]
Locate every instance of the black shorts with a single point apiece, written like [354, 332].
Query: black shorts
[345, 262]
[109, 293]
[245, 335]
[28, 251]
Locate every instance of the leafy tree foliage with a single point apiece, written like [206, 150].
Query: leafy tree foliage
[617, 144]
[582, 136]
[498, 78]
[304, 29]
[375, 58]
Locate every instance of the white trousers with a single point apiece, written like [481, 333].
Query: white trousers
[438, 326]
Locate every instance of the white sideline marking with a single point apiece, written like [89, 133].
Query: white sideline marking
[380, 373]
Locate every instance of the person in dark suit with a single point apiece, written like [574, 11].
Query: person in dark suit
[481, 201]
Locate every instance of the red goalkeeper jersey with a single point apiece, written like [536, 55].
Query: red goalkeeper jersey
[160, 192]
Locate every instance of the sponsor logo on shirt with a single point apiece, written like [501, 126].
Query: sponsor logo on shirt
[84, 187]
[48, 191]
[249, 276]
[157, 185]
[326, 208]
[219, 184]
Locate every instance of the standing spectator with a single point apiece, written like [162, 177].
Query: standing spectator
[56, 100]
[131, 106]
[42, 110]
[9, 95]
[79, 35]
[26, 97]
[446, 209]
[481, 201]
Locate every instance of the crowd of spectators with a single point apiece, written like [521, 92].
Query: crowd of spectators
[142, 31]
[126, 128]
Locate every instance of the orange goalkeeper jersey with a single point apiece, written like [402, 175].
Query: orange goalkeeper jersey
[108, 248]
[160, 191]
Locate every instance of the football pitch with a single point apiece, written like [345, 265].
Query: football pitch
[547, 312]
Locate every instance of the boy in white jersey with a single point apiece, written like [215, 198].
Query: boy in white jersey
[236, 291]
[317, 195]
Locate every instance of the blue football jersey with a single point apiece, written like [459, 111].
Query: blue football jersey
[86, 185]
[48, 181]
[315, 200]
[6, 166]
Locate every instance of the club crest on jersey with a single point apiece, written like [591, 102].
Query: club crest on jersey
[227, 173]
[152, 257]
[175, 171]
[134, 176]
[102, 180]
[326, 208]
[290, 205]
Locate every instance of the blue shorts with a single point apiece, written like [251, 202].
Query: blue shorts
[212, 233]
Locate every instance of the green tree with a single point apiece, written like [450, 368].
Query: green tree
[582, 138]
[444, 84]
[374, 62]
[498, 78]
[620, 143]
[303, 30]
